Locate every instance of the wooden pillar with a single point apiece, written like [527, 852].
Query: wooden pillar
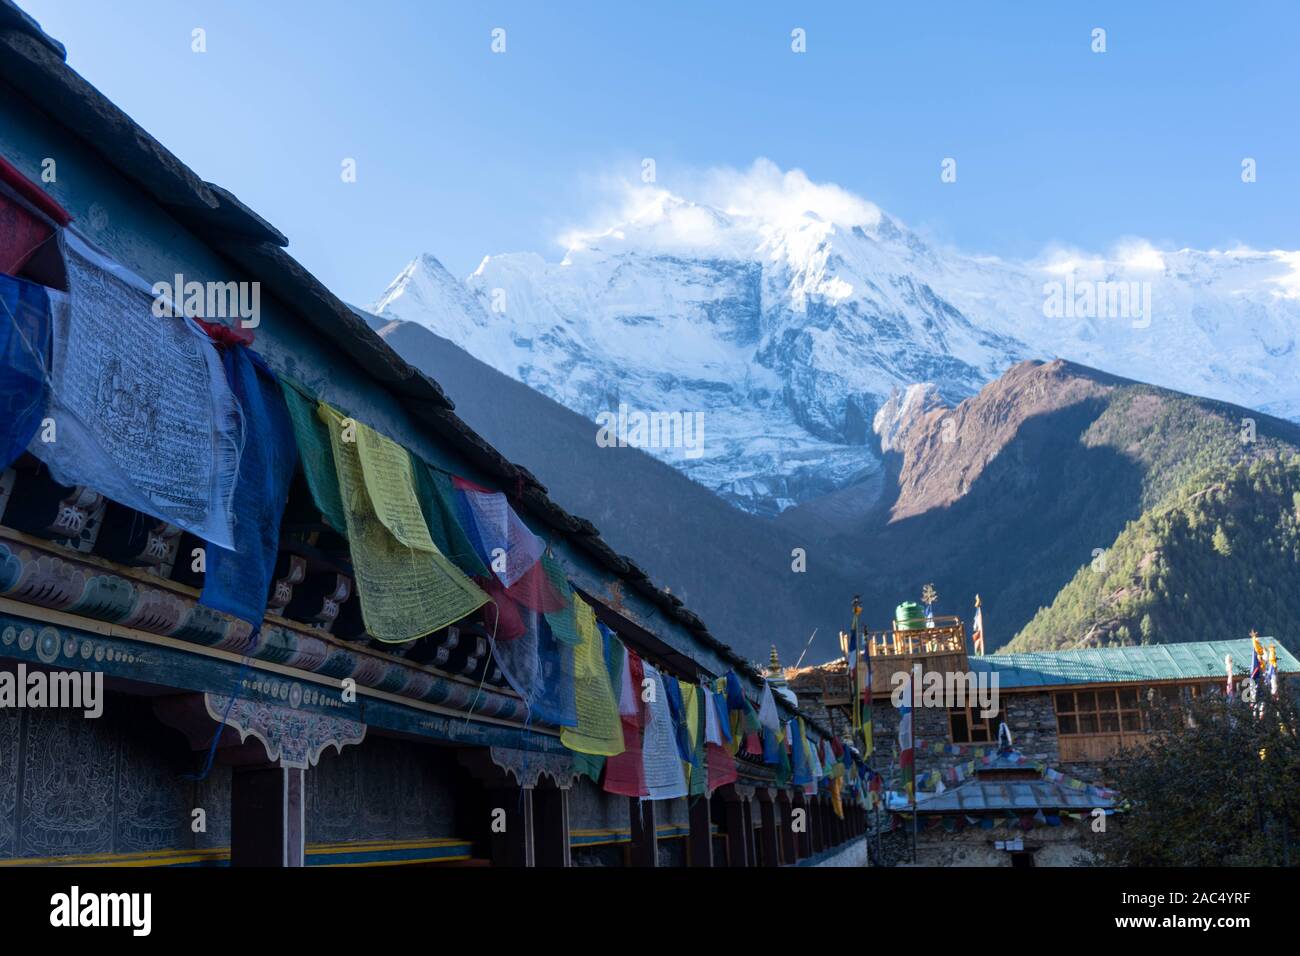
[804, 838]
[813, 804]
[268, 780]
[700, 841]
[645, 833]
[828, 822]
[734, 818]
[785, 828]
[513, 841]
[751, 841]
[767, 834]
[267, 824]
[551, 819]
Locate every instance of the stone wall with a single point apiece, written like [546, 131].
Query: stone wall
[71, 786]
[1067, 845]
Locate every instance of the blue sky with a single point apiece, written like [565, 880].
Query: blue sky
[462, 152]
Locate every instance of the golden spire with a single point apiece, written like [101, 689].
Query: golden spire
[775, 672]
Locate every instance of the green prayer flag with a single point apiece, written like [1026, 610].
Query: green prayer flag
[438, 502]
[314, 452]
[699, 765]
[564, 626]
[590, 765]
[783, 765]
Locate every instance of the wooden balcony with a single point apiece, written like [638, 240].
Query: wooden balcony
[938, 648]
[941, 647]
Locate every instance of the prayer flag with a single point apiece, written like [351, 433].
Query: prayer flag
[540, 670]
[906, 765]
[724, 723]
[142, 407]
[508, 547]
[313, 439]
[438, 501]
[665, 775]
[23, 218]
[625, 772]
[406, 586]
[238, 582]
[768, 715]
[24, 356]
[502, 616]
[712, 726]
[720, 767]
[562, 622]
[599, 729]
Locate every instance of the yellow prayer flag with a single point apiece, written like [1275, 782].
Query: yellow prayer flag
[691, 707]
[691, 702]
[404, 593]
[390, 482]
[599, 730]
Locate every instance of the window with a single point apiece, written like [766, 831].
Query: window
[967, 726]
[1084, 712]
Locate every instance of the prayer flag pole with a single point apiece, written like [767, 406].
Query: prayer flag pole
[914, 774]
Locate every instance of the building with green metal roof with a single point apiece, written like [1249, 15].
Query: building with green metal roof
[1148, 664]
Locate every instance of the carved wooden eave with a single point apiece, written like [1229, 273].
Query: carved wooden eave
[39, 580]
[528, 768]
[510, 767]
[293, 738]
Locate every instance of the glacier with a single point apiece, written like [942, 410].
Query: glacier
[791, 329]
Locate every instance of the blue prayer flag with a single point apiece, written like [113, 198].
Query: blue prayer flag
[24, 350]
[237, 582]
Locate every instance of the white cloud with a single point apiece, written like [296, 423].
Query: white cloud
[703, 209]
[765, 192]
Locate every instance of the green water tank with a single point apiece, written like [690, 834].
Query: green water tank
[909, 616]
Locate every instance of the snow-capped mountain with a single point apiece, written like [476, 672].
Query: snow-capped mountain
[791, 318]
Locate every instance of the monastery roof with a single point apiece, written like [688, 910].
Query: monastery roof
[1108, 665]
[1024, 796]
[35, 65]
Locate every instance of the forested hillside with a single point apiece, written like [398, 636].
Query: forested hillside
[1219, 558]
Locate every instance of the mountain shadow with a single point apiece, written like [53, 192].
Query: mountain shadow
[734, 569]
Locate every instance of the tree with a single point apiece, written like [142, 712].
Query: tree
[1214, 787]
[1221, 543]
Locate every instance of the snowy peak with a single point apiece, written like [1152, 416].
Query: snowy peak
[789, 312]
[426, 293]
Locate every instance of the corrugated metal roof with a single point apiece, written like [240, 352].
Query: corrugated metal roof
[1101, 665]
[976, 796]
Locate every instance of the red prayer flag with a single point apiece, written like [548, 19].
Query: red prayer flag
[721, 766]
